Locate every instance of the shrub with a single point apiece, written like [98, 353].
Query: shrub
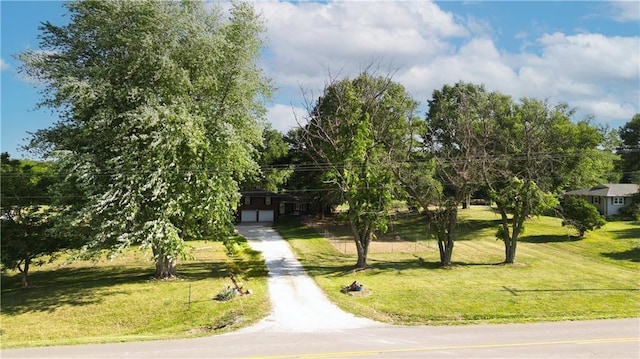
[581, 215]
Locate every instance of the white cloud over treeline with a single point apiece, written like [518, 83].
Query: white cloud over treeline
[426, 47]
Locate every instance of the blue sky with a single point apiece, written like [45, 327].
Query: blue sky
[586, 53]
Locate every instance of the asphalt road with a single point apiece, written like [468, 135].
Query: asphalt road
[304, 324]
[591, 339]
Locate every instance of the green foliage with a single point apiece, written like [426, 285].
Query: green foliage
[581, 215]
[161, 107]
[519, 197]
[632, 211]
[308, 179]
[28, 236]
[535, 151]
[452, 136]
[355, 131]
[273, 158]
[630, 150]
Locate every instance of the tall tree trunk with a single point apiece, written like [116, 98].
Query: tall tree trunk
[362, 240]
[363, 249]
[509, 251]
[24, 272]
[446, 223]
[165, 265]
[446, 250]
[511, 239]
[507, 237]
[466, 203]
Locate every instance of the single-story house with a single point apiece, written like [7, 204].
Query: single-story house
[265, 206]
[607, 198]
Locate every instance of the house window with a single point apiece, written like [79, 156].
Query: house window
[247, 200]
[267, 201]
[596, 200]
[618, 200]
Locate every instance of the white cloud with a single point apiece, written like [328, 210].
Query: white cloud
[4, 65]
[595, 73]
[426, 48]
[607, 105]
[307, 39]
[284, 118]
[591, 56]
[624, 11]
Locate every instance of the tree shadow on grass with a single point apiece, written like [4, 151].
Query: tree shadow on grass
[468, 227]
[348, 269]
[49, 290]
[632, 255]
[207, 270]
[515, 291]
[67, 286]
[630, 233]
[382, 266]
[549, 238]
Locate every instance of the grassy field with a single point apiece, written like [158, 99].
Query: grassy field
[556, 277]
[111, 301]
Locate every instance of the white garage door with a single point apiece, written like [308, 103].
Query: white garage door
[248, 216]
[265, 216]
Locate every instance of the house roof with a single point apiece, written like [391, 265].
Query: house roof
[607, 190]
[283, 196]
[260, 193]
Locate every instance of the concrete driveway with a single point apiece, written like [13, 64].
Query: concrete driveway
[298, 303]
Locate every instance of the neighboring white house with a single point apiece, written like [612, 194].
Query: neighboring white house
[607, 198]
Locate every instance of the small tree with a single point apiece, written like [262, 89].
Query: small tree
[27, 235]
[581, 215]
[516, 201]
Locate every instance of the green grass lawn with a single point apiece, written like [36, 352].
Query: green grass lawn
[556, 277]
[111, 301]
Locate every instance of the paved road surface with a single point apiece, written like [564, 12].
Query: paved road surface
[304, 324]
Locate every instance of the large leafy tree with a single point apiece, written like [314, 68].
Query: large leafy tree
[534, 152]
[630, 150]
[453, 136]
[160, 105]
[353, 131]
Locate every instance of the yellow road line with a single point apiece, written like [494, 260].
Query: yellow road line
[480, 346]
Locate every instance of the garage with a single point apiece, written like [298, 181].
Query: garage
[252, 215]
[249, 216]
[265, 215]
[259, 206]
